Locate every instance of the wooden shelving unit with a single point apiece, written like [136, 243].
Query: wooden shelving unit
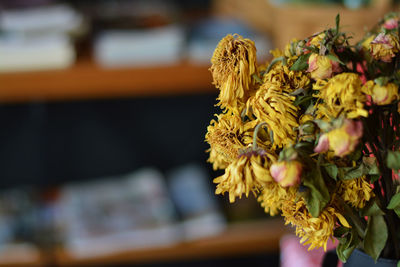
[238, 240]
[87, 80]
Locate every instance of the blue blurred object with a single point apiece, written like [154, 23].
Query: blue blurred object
[195, 201]
[355, 4]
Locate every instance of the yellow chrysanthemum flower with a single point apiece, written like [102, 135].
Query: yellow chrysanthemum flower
[273, 195]
[341, 93]
[233, 64]
[313, 231]
[276, 109]
[218, 160]
[286, 79]
[224, 136]
[248, 173]
[356, 191]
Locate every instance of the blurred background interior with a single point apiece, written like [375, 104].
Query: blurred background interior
[104, 105]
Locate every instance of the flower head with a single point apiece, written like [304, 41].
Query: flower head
[311, 230]
[382, 94]
[225, 138]
[288, 80]
[356, 191]
[322, 67]
[247, 173]
[384, 47]
[391, 23]
[341, 93]
[233, 64]
[273, 195]
[276, 109]
[344, 140]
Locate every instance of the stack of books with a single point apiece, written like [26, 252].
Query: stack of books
[38, 38]
[137, 33]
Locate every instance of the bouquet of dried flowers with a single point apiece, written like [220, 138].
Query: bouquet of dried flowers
[315, 135]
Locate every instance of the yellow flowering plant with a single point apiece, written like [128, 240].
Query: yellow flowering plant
[314, 135]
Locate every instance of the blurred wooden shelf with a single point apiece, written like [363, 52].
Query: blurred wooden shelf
[86, 80]
[238, 240]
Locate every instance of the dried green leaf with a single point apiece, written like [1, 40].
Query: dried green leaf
[331, 170]
[367, 167]
[318, 196]
[334, 58]
[393, 160]
[348, 173]
[346, 245]
[394, 202]
[376, 236]
[301, 63]
[337, 21]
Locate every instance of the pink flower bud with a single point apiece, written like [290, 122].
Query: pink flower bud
[385, 94]
[391, 24]
[344, 140]
[384, 47]
[321, 67]
[323, 144]
[286, 173]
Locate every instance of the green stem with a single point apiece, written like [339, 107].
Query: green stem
[256, 130]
